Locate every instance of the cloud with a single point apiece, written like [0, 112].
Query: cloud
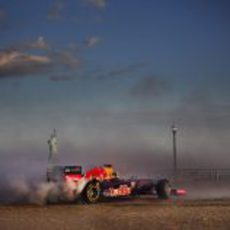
[14, 63]
[19, 60]
[33, 44]
[148, 86]
[17, 63]
[65, 58]
[125, 70]
[97, 3]
[122, 71]
[92, 41]
[39, 43]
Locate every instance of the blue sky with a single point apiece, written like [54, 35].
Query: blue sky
[112, 76]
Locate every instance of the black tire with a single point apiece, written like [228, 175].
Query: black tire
[92, 192]
[163, 189]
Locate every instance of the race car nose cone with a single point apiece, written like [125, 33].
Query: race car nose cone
[179, 192]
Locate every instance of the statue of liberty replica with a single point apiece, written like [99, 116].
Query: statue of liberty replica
[53, 149]
[53, 171]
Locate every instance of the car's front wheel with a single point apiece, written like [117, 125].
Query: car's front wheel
[163, 189]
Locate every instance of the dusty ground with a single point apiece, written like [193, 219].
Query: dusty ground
[138, 214]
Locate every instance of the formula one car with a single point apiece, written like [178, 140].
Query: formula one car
[103, 182]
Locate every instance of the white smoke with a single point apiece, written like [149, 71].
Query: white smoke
[22, 191]
[17, 191]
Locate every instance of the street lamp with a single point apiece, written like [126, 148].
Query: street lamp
[174, 131]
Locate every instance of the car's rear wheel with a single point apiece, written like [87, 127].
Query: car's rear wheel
[92, 192]
[163, 189]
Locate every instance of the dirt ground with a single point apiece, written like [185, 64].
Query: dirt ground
[138, 214]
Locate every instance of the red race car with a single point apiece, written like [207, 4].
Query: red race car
[103, 182]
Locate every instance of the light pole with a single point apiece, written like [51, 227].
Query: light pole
[174, 131]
